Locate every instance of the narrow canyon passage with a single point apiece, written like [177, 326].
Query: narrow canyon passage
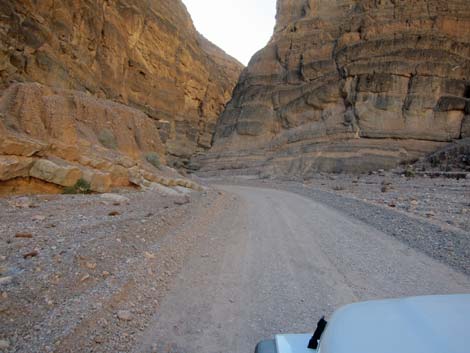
[275, 262]
[160, 192]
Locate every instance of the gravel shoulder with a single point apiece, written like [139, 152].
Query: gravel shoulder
[97, 270]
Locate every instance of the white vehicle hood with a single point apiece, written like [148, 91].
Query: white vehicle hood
[432, 324]
[293, 343]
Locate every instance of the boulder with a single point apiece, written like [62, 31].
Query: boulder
[124, 315]
[12, 143]
[115, 198]
[99, 181]
[57, 172]
[13, 167]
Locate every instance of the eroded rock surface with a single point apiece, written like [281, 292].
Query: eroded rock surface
[145, 54]
[349, 85]
[59, 136]
[101, 84]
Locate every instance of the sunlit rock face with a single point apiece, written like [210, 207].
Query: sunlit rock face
[143, 54]
[349, 85]
[104, 91]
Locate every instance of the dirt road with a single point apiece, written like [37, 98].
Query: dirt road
[274, 262]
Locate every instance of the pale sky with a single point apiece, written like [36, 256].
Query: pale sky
[239, 27]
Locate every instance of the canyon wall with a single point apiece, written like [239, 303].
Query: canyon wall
[106, 80]
[349, 85]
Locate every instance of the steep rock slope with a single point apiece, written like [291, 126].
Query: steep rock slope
[57, 136]
[110, 81]
[349, 85]
[145, 54]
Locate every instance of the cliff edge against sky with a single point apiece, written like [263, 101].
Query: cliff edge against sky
[349, 85]
[88, 84]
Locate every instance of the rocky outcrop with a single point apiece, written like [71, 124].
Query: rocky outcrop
[105, 91]
[57, 137]
[453, 160]
[349, 85]
[143, 54]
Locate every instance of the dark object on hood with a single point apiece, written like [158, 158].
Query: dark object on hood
[313, 344]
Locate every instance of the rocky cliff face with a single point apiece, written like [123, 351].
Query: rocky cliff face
[349, 85]
[145, 54]
[108, 81]
[51, 138]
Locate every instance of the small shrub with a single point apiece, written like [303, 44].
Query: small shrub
[81, 187]
[338, 188]
[153, 159]
[107, 139]
[409, 172]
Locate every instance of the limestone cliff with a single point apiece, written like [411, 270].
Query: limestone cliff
[98, 82]
[349, 85]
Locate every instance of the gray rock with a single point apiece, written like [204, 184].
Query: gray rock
[115, 198]
[5, 280]
[124, 315]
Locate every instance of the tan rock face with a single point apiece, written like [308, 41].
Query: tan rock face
[14, 167]
[349, 85]
[104, 91]
[39, 119]
[58, 136]
[144, 54]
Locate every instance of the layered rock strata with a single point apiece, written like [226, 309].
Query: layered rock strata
[56, 137]
[349, 85]
[144, 54]
[105, 90]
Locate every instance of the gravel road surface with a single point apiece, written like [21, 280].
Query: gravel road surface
[274, 261]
